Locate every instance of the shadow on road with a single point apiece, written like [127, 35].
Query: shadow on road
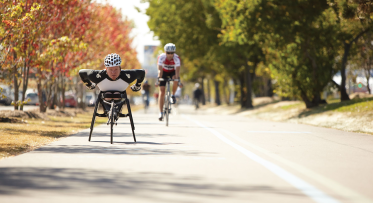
[118, 149]
[145, 185]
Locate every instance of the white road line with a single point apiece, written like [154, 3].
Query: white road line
[309, 190]
[287, 132]
[341, 190]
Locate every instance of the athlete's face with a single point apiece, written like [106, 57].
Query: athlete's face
[113, 72]
[170, 55]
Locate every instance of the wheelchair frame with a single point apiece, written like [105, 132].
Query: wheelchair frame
[111, 113]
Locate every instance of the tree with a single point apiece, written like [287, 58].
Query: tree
[194, 26]
[354, 19]
[294, 37]
[54, 39]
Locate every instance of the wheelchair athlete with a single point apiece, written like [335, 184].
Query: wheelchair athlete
[112, 78]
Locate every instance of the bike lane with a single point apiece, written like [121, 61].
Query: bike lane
[180, 163]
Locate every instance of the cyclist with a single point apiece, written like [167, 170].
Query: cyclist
[168, 66]
[112, 78]
[197, 94]
[146, 93]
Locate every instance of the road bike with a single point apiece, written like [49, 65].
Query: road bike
[167, 97]
[112, 103]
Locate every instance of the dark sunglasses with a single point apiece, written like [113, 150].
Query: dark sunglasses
[170, 52]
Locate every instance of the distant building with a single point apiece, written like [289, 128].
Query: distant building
[150, 61]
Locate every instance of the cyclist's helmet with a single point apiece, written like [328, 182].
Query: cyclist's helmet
[169, 47]
[112, 60]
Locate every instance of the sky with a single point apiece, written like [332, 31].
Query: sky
[141, 33]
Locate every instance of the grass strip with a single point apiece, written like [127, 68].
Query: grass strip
[18, 138]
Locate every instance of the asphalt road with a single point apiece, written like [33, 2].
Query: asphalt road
[200, 157]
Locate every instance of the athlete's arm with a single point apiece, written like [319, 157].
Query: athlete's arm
[177, 72]
[177, 67]
[132, 75]
[140, 75]
[160, 71]
[84, 75]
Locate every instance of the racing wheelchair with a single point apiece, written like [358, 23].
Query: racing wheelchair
[112, 103]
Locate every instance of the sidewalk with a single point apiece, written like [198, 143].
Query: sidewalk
[352, 117]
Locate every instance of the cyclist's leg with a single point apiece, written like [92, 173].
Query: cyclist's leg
[161, 97]
[174, 87]
[162, 87]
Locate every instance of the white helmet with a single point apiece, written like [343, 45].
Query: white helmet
[112, 60]
[169, 47]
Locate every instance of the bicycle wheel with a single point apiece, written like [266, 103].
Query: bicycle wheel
[93, 120]
[111, 121]
[131, 118]
[167, 103]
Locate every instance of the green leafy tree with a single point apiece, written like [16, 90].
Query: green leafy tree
[294, 37]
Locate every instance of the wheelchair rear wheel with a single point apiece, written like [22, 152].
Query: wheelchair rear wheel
[131, 119]
[93, 120]
[111, 121]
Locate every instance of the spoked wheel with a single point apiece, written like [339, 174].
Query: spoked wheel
[131, 119]
[111, 121]
[93, 120]
[92, 124]
[166, 107]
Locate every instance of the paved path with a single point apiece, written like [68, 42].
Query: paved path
[26, 107]
[198, 158]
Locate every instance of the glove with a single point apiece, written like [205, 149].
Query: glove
[157, 82]
[90, 86]
[136, 87]
[179, 82]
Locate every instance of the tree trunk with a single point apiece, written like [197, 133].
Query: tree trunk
[270, 89]
[16, 87]
[203, 100]
[48, 93]
[242, 91]
[42, 108]
[25, 83]
[368, 78]
[248, 77]
[344, 95]
[208, 91]
[225, 94]
[217, 93]
[63, 93]
[367, 73]
[347, 46]
[305, 99]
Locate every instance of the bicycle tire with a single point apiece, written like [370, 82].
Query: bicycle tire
[93, 120]
[131, 119]
[111, 121]
[167, 102]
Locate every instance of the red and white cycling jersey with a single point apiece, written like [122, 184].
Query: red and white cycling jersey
[169, 65]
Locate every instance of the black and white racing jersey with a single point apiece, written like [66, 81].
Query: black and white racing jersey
[105, 83]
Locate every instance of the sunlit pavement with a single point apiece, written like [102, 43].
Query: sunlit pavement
[26, 107]
[198, 158]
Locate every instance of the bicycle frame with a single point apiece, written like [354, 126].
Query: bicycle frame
[167, 104]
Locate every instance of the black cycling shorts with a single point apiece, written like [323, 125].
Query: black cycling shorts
[166, 75]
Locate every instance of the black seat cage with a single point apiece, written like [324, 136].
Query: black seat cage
[113, 96]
